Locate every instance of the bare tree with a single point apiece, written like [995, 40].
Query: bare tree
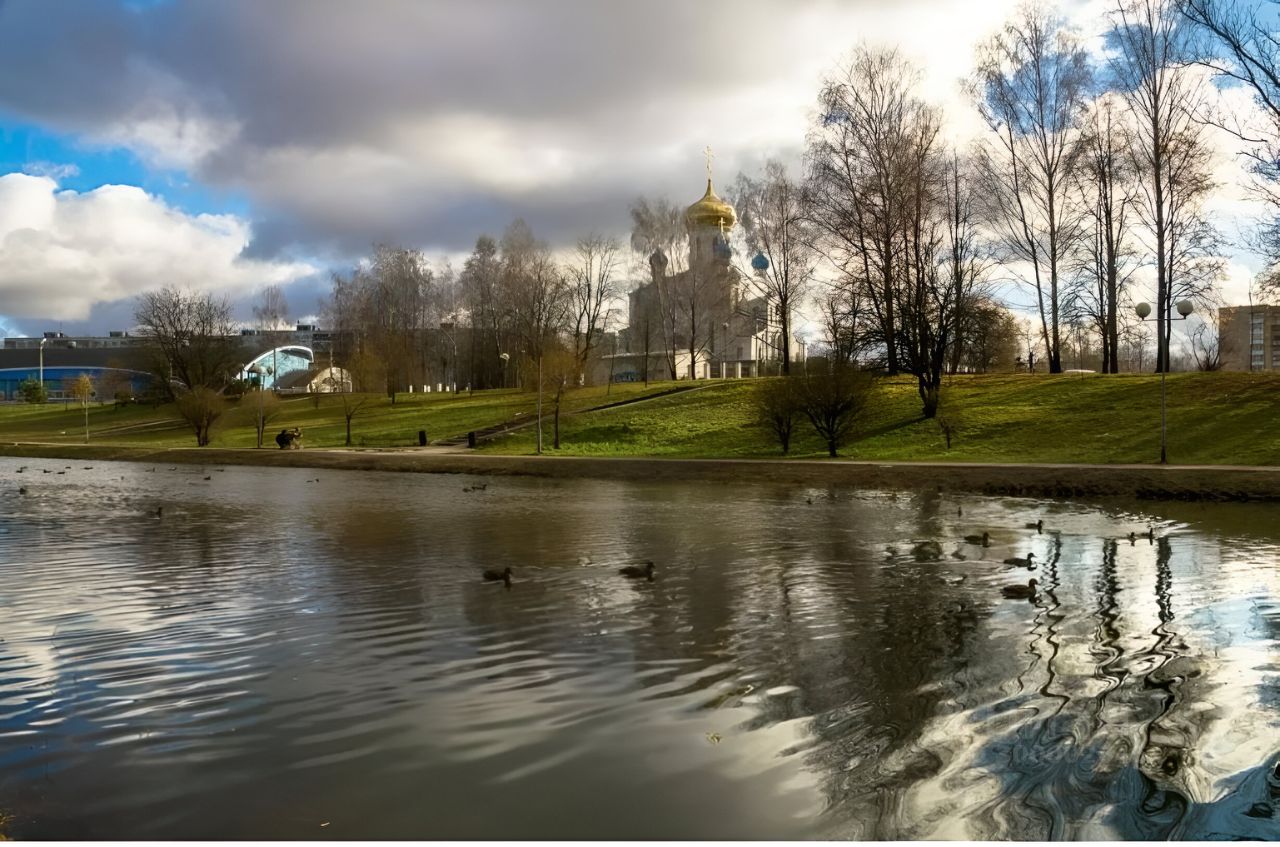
[367, 374]
[1152, 41]
[843, 323]
[1105, 182]
[1206, 342]
[201, 407]
[81, 389]
[777, 225]
[592, 292]
[988, 336]
[697, 293]
[833, 400]
[483, 303]
[658, 233]
[260, 406]
[778, 408]
[191, 337]
[856, 159]
[1030, 86]
[272, 313]
[393, 310]
[1242, 45]
[538, 295]
[947, 268]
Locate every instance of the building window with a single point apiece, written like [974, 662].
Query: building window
[1256, 347]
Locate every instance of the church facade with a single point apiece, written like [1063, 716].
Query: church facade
[698, 316]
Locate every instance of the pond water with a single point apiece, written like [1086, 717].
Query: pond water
[292, 653]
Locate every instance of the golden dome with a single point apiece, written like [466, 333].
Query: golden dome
[711, 211]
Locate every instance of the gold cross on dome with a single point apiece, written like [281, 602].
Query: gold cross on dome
[710, 156]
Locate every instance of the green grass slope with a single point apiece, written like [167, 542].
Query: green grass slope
[1217, 418]
[1214, 418]
[378, 424]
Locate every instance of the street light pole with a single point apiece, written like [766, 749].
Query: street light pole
[256, 370]
[1143, 310]
[43, 341]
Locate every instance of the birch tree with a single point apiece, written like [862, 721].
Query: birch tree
[1030, 86]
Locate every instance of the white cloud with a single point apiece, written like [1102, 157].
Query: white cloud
[53, 170]
[62, 252]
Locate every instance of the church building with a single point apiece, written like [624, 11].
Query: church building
[699, 316]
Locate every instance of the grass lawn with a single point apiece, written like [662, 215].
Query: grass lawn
[1214, 418]
[379, 423]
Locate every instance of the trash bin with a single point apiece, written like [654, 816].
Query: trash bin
[422, 438]
[471, 439]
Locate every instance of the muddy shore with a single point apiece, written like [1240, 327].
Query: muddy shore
[1176, 482]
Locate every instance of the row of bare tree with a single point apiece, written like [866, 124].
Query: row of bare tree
[399, 320]
[1087, 173]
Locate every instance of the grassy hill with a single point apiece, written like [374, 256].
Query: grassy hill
[378, 424]
[1213, 418]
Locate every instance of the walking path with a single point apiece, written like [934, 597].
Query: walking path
[1182, 482]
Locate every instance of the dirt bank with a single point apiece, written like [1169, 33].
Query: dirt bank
[1179, 482]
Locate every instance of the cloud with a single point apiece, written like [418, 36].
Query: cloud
[53, 170]
[62, 253]
[429, 123]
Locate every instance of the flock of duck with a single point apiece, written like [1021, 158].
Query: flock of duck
[922, 551]
[931, 551]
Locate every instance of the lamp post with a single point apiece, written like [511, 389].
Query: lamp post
[505, 357]
[43, 341]
[258, 371]
[760, 264]
[447, 327]
[1143, 310]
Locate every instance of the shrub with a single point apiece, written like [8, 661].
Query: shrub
[778, 408]
[833, 400]
[201, 407]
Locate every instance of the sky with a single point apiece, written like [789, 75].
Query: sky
[230, 145]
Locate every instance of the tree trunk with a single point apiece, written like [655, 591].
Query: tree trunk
[539, 404]
[928, 398]
[786, 341]
[555, 440]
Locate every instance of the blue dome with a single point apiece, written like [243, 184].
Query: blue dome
[759, 262]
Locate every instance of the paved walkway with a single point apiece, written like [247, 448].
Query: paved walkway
[1183, 482]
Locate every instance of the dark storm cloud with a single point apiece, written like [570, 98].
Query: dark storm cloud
[347, 123]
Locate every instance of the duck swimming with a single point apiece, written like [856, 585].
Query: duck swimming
[1038, 526]
[984, 539]
[1020, 592]
[498, 576]
[637, 571]
[1021, 563]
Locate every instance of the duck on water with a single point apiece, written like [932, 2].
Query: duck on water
[497, 576]
[644, 571]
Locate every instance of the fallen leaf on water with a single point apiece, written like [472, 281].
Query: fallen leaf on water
[713, 737]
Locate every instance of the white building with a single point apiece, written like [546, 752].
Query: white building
[705, 320]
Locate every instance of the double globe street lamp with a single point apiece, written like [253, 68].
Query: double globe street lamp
[1185, 308]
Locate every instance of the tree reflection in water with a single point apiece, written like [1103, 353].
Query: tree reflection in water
[779, 678]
